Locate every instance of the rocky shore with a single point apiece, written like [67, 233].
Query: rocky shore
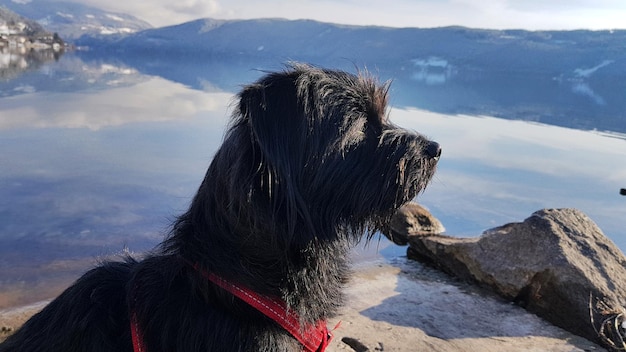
[480, 294]
[407, 306]
[403, 305]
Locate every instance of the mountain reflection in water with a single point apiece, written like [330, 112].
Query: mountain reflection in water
[98, 157]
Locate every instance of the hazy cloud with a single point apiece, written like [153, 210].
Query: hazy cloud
[165, 101]
[193, 7]
[496, 14]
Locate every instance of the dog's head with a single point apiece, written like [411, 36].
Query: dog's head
[311, 154]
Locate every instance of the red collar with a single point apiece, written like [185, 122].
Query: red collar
[314, 338]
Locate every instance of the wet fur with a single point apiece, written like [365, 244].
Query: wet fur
[309, 165]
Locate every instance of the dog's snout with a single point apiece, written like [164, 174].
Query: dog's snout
[433, 149]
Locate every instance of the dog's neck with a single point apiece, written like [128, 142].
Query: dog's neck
[318, 270]
[312, 337]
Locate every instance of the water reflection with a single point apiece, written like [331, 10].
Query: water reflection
[86, 174]
[496, 171]
[98, 157]
[16, 61]
[432, 71]
[82, 164]
[107, 108]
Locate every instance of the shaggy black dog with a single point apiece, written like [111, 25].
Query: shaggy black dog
[309, 165]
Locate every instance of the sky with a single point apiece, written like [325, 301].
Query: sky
[491, 14]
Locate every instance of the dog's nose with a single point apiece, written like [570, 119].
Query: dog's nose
[433, 149]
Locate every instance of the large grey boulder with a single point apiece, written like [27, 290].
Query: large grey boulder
[557, 264]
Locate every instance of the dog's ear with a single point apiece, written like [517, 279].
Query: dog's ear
[272, 112]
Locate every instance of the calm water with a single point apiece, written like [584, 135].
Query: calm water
[98, 157]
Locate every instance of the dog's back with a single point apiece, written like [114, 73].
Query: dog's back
[85, 317]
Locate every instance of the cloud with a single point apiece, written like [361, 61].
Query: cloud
[557, 14]
[549, 150]
[496, 14]
[535, 6]
[193, 7]
[112, 107]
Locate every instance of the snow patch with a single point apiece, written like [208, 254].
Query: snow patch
[65, 15]
[25, 88]
[587, 72]
[585, 90]
[4, 29]
[111, 30]
[106, 68]
[210, 25]
[430, 62]
[114, 17]
[433, 70]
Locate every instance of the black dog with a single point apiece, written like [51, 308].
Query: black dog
[309, 165]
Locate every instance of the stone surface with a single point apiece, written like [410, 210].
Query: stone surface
[552, 264]
[412, 220]
[405, 306]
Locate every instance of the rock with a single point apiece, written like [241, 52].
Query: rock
[405, 306]
[557, 264]
[355, 344]
[412, 220]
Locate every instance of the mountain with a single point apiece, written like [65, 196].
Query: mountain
[474, 50]
[71, 20]
[12, 24]
[566, 78]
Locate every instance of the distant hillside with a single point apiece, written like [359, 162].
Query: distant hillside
[567, 78]
[13, 24]
[559, 53]
[71, 20]
[18, 32]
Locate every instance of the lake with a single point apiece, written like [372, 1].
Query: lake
[99, 156]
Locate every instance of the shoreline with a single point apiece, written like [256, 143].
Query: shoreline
[402, 305]
[12, 318]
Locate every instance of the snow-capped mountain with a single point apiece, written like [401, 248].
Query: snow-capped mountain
[12, 24]
[453, 70]
[72, 20]
[441, 52]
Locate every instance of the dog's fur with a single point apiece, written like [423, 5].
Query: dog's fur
[309, 165]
